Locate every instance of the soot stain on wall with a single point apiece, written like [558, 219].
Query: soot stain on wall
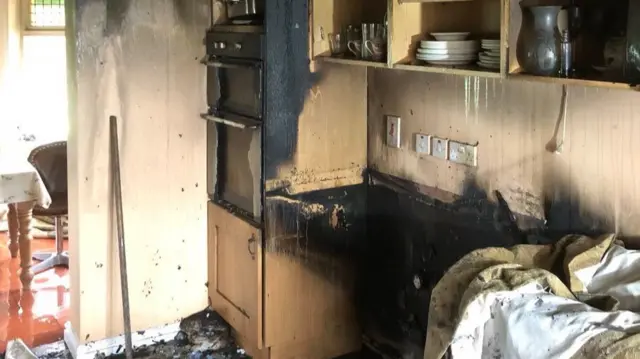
[318, 228]
[288, 79]
[412, 239]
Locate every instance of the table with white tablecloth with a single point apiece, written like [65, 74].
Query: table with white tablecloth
[21, 188]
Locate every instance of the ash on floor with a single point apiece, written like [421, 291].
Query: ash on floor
[57, 350]
[204, 335]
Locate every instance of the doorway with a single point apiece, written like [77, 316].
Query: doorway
[34, 127]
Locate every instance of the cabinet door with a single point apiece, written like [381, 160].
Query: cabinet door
[235, 272]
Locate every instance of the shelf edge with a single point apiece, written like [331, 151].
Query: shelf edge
[449, 71]
[352, 62]
[519, 76]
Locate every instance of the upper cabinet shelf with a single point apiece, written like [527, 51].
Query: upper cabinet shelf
[344, 18]
[608, 34]
[407, 24]
[414, 22]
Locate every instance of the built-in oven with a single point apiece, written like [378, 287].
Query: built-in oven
[235, 73]
[234, 120]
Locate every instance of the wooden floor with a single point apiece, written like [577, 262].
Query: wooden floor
[37, 316]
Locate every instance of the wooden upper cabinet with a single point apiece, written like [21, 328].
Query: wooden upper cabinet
[411, 21]
[235, 272]
[333, 16]
[414, 21]
[408, 23]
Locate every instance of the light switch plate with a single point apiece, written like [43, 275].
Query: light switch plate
[439, 147]
[423, 143]
[463, 153]
[393, 131]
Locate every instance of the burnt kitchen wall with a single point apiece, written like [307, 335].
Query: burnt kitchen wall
[138, 60]
[425, 213]
[315, 131]
[414, 234]
[313, 243]
[591, 185]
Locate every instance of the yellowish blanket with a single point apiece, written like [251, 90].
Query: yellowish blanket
[500, 269]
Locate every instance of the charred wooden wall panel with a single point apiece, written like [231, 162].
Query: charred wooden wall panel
[315, 135]
[330, 134]
[287, 78]
[137, 60]
[314, 142]
[312, 246]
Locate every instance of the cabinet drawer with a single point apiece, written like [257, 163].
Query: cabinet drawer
[235, 272]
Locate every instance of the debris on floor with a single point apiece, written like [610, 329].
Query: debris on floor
[16, 349]
[204, 335]
[57, 350]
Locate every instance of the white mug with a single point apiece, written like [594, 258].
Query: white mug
[375, 48]
[355, 47]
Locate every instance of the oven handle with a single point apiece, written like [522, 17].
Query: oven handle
[235, 64]
[247, 124]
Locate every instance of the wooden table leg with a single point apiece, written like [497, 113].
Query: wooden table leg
[26, 303]
[24, 211]
[5, 289]
[12, 219]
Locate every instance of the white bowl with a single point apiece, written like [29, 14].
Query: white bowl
[469, 44]
[450, 36]
[445, 51]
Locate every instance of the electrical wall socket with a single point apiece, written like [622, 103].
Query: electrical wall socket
[463, 153]
[439, 147]
[393, 131]
[423, 143]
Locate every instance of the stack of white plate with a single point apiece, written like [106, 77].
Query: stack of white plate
[449, 49]
[490, 55]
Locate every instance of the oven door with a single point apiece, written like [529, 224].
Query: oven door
[234, 167]
[234, 86]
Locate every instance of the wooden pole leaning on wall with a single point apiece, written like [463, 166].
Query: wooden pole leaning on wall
[117, 194]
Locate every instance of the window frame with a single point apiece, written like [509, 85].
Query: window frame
[27, 29]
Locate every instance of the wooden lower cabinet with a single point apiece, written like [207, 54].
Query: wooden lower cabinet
[277, 307]
[235, 272]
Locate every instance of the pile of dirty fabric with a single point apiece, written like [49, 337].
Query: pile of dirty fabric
[578, 298]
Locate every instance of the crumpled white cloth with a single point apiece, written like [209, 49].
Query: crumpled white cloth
[532, 323]
[20, 182]
[17, 349]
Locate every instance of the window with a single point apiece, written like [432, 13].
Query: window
[43, 89]
[41, 92]
[45, 14]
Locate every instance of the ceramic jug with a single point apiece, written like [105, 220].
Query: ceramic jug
[538, 48]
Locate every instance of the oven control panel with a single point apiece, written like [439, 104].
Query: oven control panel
[234, 44]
